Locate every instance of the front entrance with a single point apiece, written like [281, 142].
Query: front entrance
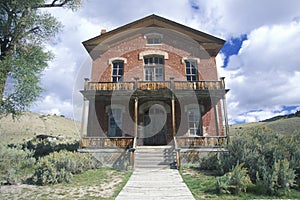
[154, 132]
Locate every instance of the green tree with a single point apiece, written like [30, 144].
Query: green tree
[25, 26]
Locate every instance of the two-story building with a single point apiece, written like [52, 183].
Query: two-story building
[154, 82]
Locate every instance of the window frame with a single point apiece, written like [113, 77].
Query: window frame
[197, 131]
[192, 66]
[118, 76]
[157, 63]
[117, 123]
[153, 38]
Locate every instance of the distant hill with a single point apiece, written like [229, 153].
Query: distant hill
[29, 125]
[296, 114]
[284, 126]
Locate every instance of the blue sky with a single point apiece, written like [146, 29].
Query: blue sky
[259, 60]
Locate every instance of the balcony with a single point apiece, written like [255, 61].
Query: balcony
[155, 85]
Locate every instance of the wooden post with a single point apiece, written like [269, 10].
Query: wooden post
[178, 159]
[216, 112]
[136, 101]
[173, 116]
[83, 117]
[226, 118]
[171, 83]
[86, 83]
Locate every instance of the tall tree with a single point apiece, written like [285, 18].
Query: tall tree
[25, 26]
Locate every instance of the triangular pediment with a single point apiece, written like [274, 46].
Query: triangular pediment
[210, 43]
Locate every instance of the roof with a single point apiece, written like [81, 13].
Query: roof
[210, 43]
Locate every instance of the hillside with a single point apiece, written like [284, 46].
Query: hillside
[282, 126]
[30, 124]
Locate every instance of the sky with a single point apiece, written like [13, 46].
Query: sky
[260, 59]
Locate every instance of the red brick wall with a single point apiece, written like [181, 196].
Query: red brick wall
[174, 67]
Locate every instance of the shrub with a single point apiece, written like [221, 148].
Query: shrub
[43, 148]
[212, 161]
[58, 167]
[12, 162]
[234, 182]
[272, 160]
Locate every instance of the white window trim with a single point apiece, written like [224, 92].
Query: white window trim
[111, 60]
[153, 52]
[192, 59]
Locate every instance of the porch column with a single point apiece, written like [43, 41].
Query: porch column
[136, 102]
[225, 117]
[83, 116]
[82, 128]
[216, 112]
[173, 116]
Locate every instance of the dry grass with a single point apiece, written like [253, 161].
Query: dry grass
[29, 125]
[103, 183]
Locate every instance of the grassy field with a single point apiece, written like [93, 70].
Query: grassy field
[282, 126]
[103, 183]
[202, 185]
[28, 125]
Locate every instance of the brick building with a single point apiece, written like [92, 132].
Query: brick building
[154, 82]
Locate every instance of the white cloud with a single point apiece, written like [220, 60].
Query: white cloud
[229, 18]
[266, 72]
[52, 104]
[262, 77]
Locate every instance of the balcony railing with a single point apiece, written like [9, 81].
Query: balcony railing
[201, 142]
[104, 142]
[155, 85]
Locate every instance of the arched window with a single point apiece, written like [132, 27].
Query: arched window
[191, 69]
[154, 68]
[117, 70]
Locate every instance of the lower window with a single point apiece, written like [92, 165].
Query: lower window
[115, 123]
[194, 122]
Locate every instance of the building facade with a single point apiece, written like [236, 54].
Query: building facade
[154, 82]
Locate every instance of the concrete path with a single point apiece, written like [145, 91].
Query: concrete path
[155, 184]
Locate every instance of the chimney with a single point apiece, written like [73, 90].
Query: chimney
[103, 31]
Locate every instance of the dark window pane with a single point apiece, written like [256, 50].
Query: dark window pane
[161, 61]
[193, 70]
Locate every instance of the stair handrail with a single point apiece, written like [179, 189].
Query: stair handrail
[177, 149]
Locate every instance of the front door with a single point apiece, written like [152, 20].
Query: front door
[155, 126]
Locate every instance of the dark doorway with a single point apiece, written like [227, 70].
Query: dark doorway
[155, 126]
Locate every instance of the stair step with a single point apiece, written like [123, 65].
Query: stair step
[154, 157]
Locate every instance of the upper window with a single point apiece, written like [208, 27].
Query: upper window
[153, 38]
[191, 70]
[117, 70]
[154, 68]
[194, 122]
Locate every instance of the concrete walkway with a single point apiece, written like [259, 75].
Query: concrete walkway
[155, 184]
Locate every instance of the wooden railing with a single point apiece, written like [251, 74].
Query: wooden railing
[111, 86]
[198, 85]
[155, 85]
[104, 142]
[201, 142]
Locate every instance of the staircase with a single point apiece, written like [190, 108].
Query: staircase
[155, 157]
